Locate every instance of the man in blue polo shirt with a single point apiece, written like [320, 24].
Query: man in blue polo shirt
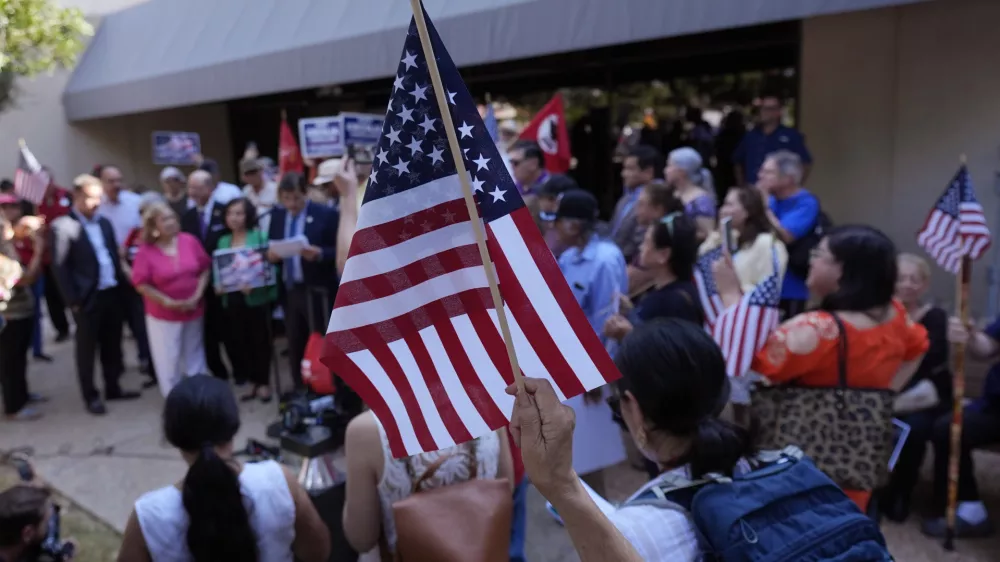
[794, 213]
[768, 137]
[980, 428]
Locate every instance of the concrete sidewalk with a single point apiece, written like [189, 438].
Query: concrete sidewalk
[105, 463]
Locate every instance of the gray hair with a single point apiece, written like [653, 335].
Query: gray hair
[149, 198]
[789, 164]
[688, 159]
[202, 177]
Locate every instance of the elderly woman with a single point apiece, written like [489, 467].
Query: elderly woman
[692, 184]
[171, 272]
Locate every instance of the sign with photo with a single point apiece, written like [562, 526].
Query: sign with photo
[175, 148]
[362, 129]
[237, 269]
[321, 137]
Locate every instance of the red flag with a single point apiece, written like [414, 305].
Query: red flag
[289, 157]
[548, 129]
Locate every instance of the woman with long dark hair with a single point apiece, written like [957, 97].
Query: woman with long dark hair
[754, 240]
[852, 273]
[222, 510]
[668, 254]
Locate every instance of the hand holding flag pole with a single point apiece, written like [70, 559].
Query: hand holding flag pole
[463, 175]
[955, 234]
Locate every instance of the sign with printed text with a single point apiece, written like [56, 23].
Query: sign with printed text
[175, 148]
[321, 137]
[362, 129]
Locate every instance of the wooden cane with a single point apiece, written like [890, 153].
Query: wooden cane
[958, 370]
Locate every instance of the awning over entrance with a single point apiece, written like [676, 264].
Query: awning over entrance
[172, 53]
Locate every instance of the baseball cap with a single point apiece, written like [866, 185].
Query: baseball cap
[575, 204]
[556, 185]
[171, 173]
[8, 199]
[327, 171]
[249, 165]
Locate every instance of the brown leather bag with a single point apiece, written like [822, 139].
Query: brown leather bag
[464, 522]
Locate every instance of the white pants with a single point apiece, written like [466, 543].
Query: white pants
[177, 350]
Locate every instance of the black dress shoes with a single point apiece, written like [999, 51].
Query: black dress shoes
[96, 407]
[121, 395]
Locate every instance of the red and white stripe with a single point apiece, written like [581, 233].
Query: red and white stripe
[741, 331]
[30, 180]
[414, 330]
[948, 239]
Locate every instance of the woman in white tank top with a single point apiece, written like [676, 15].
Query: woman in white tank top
[222, 510]
[375, 481]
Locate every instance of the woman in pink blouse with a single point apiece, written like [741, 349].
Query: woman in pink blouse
[171, 272]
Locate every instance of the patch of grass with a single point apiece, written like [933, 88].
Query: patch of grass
[95, 541]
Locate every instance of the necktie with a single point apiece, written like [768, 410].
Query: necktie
[291, 263]
[204, 223]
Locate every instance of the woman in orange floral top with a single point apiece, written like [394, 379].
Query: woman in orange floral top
[852, 274]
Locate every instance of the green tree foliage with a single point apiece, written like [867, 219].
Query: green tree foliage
[37, 36]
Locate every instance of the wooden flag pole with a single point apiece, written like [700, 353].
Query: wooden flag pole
[958, 371]
[441, 94]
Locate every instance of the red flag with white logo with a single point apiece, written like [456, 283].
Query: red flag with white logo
[289, 157]
[548, 129]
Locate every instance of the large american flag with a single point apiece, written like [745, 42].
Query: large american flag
[743, 329]
[30, 180]
[414, 331]
[956, 226]
[704, 280]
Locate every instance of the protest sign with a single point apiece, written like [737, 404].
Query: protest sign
[175, 148]
[361, 129]
[321, 137]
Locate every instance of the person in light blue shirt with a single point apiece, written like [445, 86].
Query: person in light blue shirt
[595, 271]
[594, 268]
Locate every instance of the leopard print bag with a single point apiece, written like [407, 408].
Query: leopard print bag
[847, 432]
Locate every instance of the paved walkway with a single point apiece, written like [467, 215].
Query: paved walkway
[105, 463]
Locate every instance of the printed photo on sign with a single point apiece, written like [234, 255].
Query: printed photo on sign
[174, 148]
[321, 137]
[241, 268]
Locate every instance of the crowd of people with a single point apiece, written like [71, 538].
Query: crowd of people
[854, 316]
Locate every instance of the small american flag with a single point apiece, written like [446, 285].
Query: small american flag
[743, 329]
[492, 127]
[414, 331]
[704, 280]
[956, 226]
[30, 180]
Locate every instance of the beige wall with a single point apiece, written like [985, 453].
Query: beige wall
[890, 99]
[70, 149]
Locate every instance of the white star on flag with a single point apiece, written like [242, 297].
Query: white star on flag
[410, 61]
[436, 155]
[497, 194]
[414, 146]
[477, 184]
[418, 93]
[482, 162]
[393, 135]
[466, 130]
[428, 124]
[403, 167]
[397, 85]
[406, 114]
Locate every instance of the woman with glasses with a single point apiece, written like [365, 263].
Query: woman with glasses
[672, 390]
[852, 274]
[668, 253]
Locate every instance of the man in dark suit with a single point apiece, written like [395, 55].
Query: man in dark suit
[206, 221]
[307, 282]
[90, 277]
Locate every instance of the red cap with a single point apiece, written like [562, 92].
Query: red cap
[8, 199]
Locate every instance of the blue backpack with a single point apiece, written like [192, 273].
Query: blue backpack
[783, 510]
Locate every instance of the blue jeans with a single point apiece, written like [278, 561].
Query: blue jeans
[518, 525]
[38, 289]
